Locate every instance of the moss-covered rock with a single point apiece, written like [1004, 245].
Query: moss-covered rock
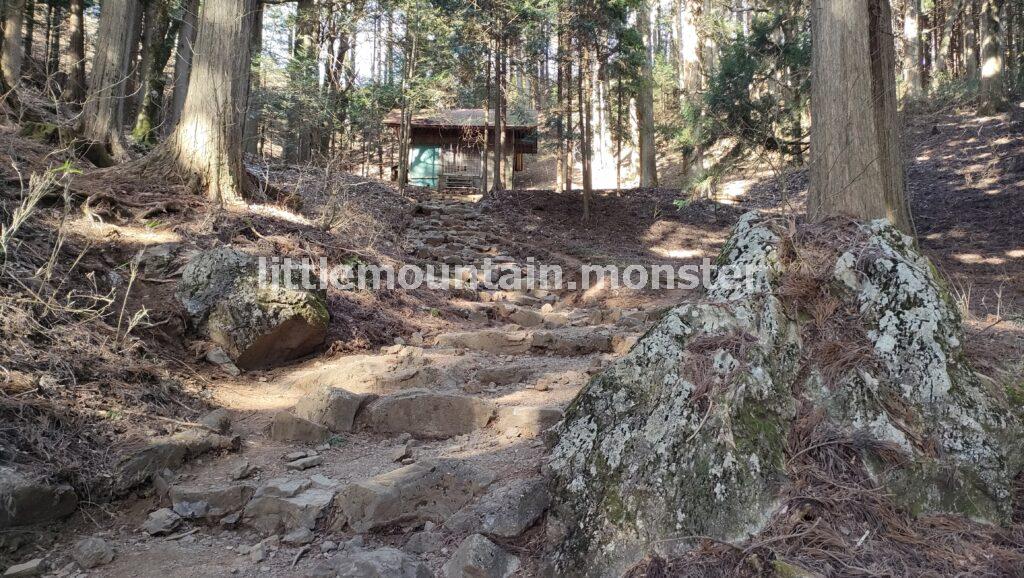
[688, 434]
[257, 322]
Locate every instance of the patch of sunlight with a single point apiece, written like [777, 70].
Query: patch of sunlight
[729, 192]
[104, 232]
[976, 259]
[677, 253]
[1015, 254]
[276, 212]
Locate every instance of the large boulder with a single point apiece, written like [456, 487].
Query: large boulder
[257, 323]
[831, 338]
[427, 414]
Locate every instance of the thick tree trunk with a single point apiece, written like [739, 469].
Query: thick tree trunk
[971, 42]
[14, 44]
[206, 147]
[159, 40]
[76, 51]
[183, 61]
[645, 102]
[912, 49]
[991, 90]
[855, 165]
[103, 115]
[499, 115]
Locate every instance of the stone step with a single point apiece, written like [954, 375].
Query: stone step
[566, 341]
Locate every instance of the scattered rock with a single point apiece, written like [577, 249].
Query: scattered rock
[24, 502]
[162, 521]
[428, 490]
[478, 557]
[170, 453]
[530, 420]
[209, 503]
[572, 341]
[33, 567]
[524, 317]
[427, 414]
[284, 504]
[491, 340]
[242, 470]
[424, 542]
[401, 452]
[289, 428]
[220, 358]
[381, 563]
[328, 546]
[504, 512]
[504, 374]
[332, 407]
[218, 420]
[257, 324]
[304, 463]
[92, 552]
[298, 537]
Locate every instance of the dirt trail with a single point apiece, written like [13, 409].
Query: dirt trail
[520, 352]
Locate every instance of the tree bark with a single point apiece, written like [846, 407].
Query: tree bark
[206, 147]
[14, 44]
[645, 102]
[76, 51]
[103, 115]
[183, 61]
[855, 166]
[159, 39]
[254, 112]
[971, 42]
[912, 48]
[991, 90]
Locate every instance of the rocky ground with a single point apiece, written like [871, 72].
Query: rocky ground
[411, 456]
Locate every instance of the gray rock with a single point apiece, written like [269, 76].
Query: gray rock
[478, 557]
[424, 542]
[332, 407]
[33, 567]
[381, 563]
[209, 503]
[298, 537]
[218, 420]
[643, 456]
[257, 324]
[572, 341]
[289, 428]
[242, 470]
[304, 463]
[284, 505]
[427, 414]
[24, 502]
[162, 521]
[220, 358]
[491, 340]
[92, 552]
[526, 317]
[428, 490]
[506, 511]
[528, 420]
[504, 374]
[170, 453]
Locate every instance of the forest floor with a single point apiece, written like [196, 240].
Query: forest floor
[81, 395]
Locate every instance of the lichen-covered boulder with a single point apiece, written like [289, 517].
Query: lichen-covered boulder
[257, 323]
[692, 432]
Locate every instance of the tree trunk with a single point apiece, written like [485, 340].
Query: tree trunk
[499, 115]
[103, 115]
[183, 61]
[206, 147]
[971, 42]
[76, 51]
[304, 60]
[991, 90]
[30, 26]
[14, 44]
[254, 112]
[645, 102]
[912, 49]
[55, 15]
[855, 166]
[159, 38]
